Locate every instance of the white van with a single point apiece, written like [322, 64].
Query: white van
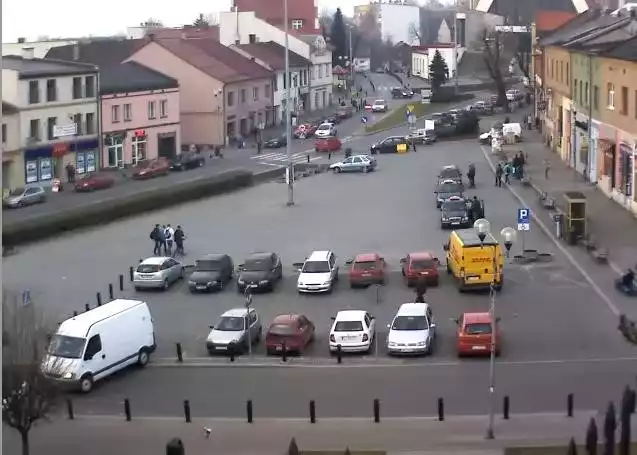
[95, 344]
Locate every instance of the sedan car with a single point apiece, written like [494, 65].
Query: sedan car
[473, 335]
[353, 331]
[294, 331]
[237, 329]
[157, 273]
[380, 106]
[450, 172]
[94, 181]
[356, 163]
[304, 130]
[418, 266]
[344, 112]
[455, 213]
[211, 272]
[397, 93]
[447, 189]
[330, 144]
[366, 269]
[21, 197]
[393, 144]
[261, 271]
[412, 331]
[152, 168]
[187, 160]
[275, 142]
[325, 130]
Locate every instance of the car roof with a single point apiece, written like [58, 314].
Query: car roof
[80, 325]
[379, 101]
[155, 260]
[476, 318]
[366, 257]
[212, 257]
[326, 123]
[421, 255]
[412, 309]
[318, 256]
[449, 167]
[236, 312]
[350, 315]
[259, 255]
[361, 156]
[286, 318]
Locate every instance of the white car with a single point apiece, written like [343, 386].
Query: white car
[356, 163]
[379, 106]
[157, 273]
[353, 331]
[413, 330]
[319, 273]
[325, 130]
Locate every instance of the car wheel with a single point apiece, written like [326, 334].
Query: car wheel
[202, 163]
[165, 285]
[337, 170]
[20, 204]
[86, 383]
[143, 357]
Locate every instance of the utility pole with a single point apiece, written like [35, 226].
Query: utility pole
[455, 47]
[351, 59]
[288, 117]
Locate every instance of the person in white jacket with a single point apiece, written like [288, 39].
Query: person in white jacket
[169, 235]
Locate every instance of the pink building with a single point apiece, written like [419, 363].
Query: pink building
[140, 115]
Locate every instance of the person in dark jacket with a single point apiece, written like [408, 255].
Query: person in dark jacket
[471, 175]
[180, 236]
[421, 290]
[156, 235]
[498, 175]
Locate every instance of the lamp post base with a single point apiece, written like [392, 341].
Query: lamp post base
[289, 204]
[490, 434]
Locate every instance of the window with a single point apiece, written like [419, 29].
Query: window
[275, 84]
[255, 93]
[77, 119]
[4, 133]
[115, 114]
[635, 109]
[230, 99]
[581, 97]
[574, 94]
[90, 123]
[93, 346]
[568, 77]
[89, 82]
[297, 24]
[77, 88]
[51, 90]
[242, 96]
[595, 97]
[624, 110]
[320, 71]
[163, 109]
[34, 129]
[586, 94]
[50, 126]
[128, 112]
[610, 96]
[252, 38]
[34, 92]
[151, 110]
[561, 71]
[267, 91]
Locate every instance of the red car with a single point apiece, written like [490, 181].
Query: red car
[422, 265]
[294, 330]
[152, 168]
[329, 144]
[473, 336]
[366, 269]
[94, 181]
[303, 131]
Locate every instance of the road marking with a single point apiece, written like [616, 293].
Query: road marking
[611, 306]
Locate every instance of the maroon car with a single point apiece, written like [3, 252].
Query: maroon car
[94, 181]
[152, 168]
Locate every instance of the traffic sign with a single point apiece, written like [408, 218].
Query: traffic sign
[26, 297]
[524, 219]
[363, 119]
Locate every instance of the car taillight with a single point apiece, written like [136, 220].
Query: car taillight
[332, 338]
[365, 337]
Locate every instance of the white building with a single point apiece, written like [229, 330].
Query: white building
[58, 117]
[422, 56]
[33, 49]
[240, 28]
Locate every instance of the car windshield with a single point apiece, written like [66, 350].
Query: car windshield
[348, 326]
[282, 329]
[16, 192]
[365, 265]
[67, 347]
[258, 265]
[324, 127]
[230, 324]
[480, 328]
[316, 267]
[148, 268]
[207, 266]
[449, 188]
[409, 323]
[455, 206]
[422, 264]
[449, 174]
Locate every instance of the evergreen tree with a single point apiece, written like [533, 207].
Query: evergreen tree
[338, 38]
[438, 72]
[201, 22]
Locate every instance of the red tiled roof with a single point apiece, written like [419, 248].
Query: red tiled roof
[215, 59]
[273, 54]
[550, 20]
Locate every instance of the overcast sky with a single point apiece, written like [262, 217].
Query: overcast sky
[76, 18]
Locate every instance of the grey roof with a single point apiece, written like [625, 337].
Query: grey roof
[523, 11]
[624, 51]
[600, 39]
[100, 53]
[31, 68]
[132, 77]
[580, 26]
[430, 21]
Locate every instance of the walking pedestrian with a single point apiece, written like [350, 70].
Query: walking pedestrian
[259, 145]
[180, 236]
[421, 290]
[498, 176]
[547, 168]
[155, 236]
[521, 163]
[508, 171]
[70, 173]
[471, 175]
[169, 236]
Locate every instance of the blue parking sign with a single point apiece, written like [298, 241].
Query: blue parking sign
[524, 219]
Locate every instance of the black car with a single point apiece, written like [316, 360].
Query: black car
[450, 172]
[393, 144]
[334, 119]
[211, 272]
[187, 160]
[275, 143]
[455, 213]
[397, 93]
[446, 190]
[261, 271]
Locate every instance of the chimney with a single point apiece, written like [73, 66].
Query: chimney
[22, 40]
[76, 52]
[28, 52]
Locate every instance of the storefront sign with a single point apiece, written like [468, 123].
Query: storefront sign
[46, 169]
[80, 163]
[31, 171]
[90, 162]
[65, 130]
[59, 150]
[139, 133]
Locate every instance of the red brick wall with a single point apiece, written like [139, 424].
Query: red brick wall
[272, 11]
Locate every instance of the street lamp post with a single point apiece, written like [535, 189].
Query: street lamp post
[351, 60]
[482, 227]
[288, 117]
[455, 47]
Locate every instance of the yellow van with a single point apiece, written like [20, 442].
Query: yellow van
[473, 263]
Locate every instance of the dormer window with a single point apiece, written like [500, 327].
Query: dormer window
[297, 24]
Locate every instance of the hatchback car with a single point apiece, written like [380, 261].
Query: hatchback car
[420, 266]
[344, 112]
[275, 142]
[356, 163]
[303, 131]
[412, 331]
[157, 273]
[329, 144]
[353, 331]
[380, 106]
[187, 160]
[152, 168]
[236, 329]
[473, 335]
[211, 272]
[319, 273]
[366, 269]
[393, 144]
[94, 181]
[294, 331]
[21, 197]
[261, 271]
[325, 130]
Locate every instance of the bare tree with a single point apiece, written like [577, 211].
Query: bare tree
[491, 52]
[413, 33]
[27, 394]
[523, 53]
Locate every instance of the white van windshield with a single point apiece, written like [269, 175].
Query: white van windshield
[67, 347]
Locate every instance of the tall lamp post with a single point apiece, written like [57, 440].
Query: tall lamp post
[288, 118]
[482, 227]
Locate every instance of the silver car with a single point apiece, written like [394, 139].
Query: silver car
[157, 273]
[234, 330]
[20, 197]
[356, 163]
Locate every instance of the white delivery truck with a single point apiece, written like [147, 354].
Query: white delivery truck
[92, 345]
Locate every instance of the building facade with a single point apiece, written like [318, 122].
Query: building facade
[12, 161]
[557, 83]
[422, 56]
[303, 15]
[140, 115]
[59, 117]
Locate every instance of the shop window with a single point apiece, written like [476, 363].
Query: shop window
[85, 162]
[115, 151]
[138, 149]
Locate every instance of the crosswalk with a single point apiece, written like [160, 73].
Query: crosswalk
[281, 158]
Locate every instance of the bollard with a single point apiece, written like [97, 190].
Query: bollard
[121, 282]
[312, 411]
[569, 405]
[231, 351]
[339, 353]
[75, 313]
[99, 299]
[249, 411]
[127, 409]
[187, 411]
[441, 410]
[87, 307]
[131, 272]
[69, 409]
[111, 294]
[505, 408]
[308, 158]
[376, 410]
[284, 352]
[180, 355]
[175, 447]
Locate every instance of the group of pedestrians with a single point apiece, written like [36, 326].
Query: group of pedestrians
[168, 240]
[515, 168]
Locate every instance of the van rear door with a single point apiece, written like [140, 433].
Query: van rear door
[478, 264]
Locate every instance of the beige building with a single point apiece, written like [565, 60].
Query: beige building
[11, 150]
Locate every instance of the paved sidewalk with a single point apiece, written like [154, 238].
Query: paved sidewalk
[105, 436]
